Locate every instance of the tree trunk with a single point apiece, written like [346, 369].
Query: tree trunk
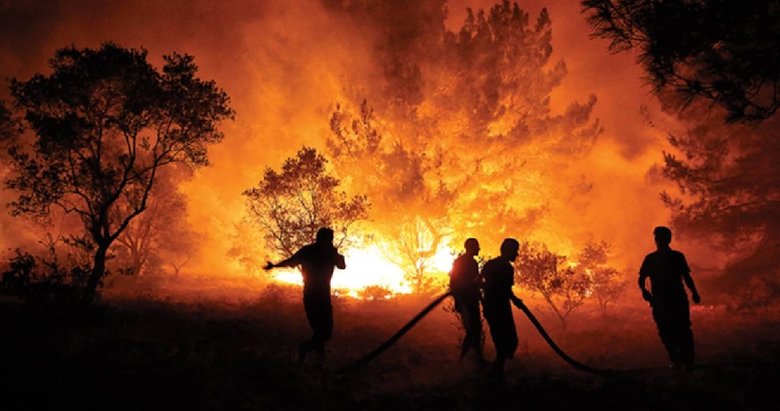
[138, 262]
[98, 271]
[557, 312]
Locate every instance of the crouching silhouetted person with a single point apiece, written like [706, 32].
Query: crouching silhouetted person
[317, 262]
[465, 287]
[667, 270]
[499, 275]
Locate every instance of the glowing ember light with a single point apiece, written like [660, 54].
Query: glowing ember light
[365, 267]
[442, 260]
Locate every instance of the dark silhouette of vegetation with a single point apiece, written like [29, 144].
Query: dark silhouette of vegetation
[720, 51]
[728, 193]
[104, 122]
[700, 54]
[291, 205]
[9, 127]
[47, 277]
[543, 271]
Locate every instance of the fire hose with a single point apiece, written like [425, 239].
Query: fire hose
[425, 311]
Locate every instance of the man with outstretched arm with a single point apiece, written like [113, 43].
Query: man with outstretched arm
[668, 270]
[499, 277]
[317, 262]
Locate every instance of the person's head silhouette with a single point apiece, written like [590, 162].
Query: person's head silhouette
[472, 246]
[663, 236]
[324, 236]
[509, 249]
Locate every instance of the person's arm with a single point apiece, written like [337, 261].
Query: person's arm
[509, 282]
[515, 299]
[691, 286]
[646, 295]
[293, 261]
[689, 282]
[340, 263]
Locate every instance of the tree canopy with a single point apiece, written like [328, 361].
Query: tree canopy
[291, 205]
[729, 191]
[720, 51]
[104, 121]
[458, 134]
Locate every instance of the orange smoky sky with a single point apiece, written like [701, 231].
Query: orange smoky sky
[286, 64]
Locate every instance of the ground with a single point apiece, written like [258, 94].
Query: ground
[211, 350]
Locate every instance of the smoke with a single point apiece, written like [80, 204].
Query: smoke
[287, 64]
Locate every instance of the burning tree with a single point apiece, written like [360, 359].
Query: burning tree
[415, 207]
[563, 288]
[291, 205]
[607, 282]
[105, 122]
[461, 135]
[417, 242]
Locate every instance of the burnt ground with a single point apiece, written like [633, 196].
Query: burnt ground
[147, 353]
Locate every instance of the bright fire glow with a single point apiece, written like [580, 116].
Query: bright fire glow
[369, 267]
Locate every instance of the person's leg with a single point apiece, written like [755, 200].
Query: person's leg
[309, 305]
[687, 352]
[462, 310]
[504, 335]
[475, 329]
[665, 325]
[324, 330]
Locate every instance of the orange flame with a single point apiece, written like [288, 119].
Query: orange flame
[368, 266]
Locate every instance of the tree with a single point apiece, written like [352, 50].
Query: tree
[8, 125]
[563, 288]
[158, 235]
[460, 129]
[291, 205]
[607, 282]
[729, 191]
[720, 51]
[105, 123]
[417, 241]
[400, 181]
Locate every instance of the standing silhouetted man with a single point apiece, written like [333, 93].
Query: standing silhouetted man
[499, 276]
[465, 287]
[667, 270]
[317, 262]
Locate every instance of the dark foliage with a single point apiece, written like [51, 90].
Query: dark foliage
[721, 51]
[291, 205]
[104, 122]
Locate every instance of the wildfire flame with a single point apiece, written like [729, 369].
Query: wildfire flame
[369, 266]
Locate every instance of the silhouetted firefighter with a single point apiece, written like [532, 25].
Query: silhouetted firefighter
[499, 275]
[465, 287]
[317, 262]
[667, 269]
